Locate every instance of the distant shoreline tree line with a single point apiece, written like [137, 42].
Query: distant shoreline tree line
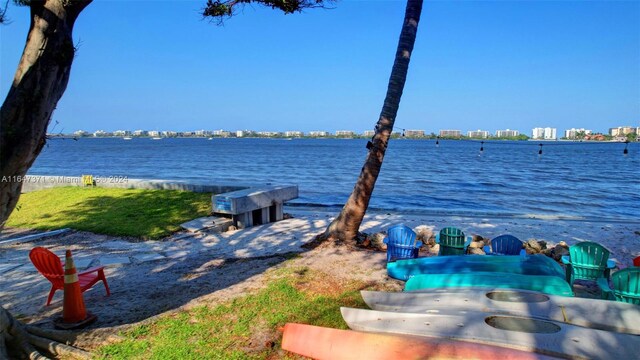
[396, 135]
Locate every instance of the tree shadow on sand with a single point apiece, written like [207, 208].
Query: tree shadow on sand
[140, 291]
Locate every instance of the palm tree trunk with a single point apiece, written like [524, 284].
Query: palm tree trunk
[345, 226]
[39, 82]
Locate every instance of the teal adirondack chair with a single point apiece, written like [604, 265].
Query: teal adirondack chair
[452, 241]
[587, 261]
[626, 286]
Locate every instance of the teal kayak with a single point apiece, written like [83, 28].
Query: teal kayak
[457, 264]
[551, 285]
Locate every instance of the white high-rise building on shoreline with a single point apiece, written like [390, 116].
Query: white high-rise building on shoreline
[622, 131]
[122, 133]
[544, 133]
[450, 133]
[293, 134]
[203, 133]
[572, 133]
[222, 133]
[414, 133]
[507, 133]
[478, 134]
[345, 133]
[537, 133]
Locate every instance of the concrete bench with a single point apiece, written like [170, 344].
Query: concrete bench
[254, 206]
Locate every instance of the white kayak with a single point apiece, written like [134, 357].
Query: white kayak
[534, 335]
[592, 313]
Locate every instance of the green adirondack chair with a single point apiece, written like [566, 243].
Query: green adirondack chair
[587, 261]
[626, 286]
[452, 241]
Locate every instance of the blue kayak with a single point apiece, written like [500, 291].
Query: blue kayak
[551, 285]
[460, 264]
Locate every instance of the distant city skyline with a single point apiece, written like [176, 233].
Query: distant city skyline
[547, 133]
[504, 65]
[359, 131]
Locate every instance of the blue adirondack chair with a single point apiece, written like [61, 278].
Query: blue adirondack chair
[506, 245]
[626, 286]
[452, 241]
[587, 261]
[401, 243]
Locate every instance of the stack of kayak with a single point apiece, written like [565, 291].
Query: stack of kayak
[482, 307]
[590, 313]
[474, 323]
[325, 343]
[533, 272]
[556, 326]
[523, 265]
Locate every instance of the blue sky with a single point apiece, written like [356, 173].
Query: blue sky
[476, 65]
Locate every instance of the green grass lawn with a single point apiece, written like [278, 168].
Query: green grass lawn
[244, 328]
[146, 214]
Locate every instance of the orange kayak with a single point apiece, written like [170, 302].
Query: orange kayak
[326, 343]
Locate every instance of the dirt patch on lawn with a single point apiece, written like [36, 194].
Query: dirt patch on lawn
[334, 270]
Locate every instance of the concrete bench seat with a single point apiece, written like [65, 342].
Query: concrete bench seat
[254, 206]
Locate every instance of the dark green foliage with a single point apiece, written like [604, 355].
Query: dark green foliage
[219, 10]
[632, 137]
[3, 9]
[520, 137]
[3, 12]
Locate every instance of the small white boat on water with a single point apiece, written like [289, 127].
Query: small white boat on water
[210, 139]
[126, 138]
[156, 138]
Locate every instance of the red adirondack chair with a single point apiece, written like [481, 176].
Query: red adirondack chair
[636, 261]
[50, 266]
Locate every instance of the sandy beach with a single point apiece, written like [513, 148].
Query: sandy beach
[621, 238]
[184, 270]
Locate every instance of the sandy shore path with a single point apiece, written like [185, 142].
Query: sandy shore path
[151, 277]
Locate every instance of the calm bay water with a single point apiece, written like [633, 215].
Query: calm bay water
[592, 180]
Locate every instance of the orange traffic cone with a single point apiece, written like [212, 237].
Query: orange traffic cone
[74, 314]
